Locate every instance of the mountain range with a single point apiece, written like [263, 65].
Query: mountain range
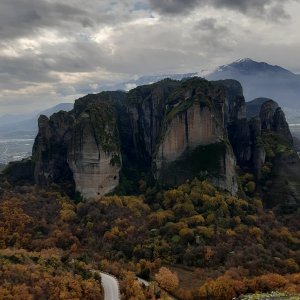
[260, 79]
[25, 125]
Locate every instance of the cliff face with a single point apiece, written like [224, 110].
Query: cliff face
[188, 129]
[283, 187]
[263, 145]
[235, 108]
[141, 118]
[93, 152]
[141, 132]
[246, 135]
[165, 133]
[50, 151]
[194, 130]
[79, 150]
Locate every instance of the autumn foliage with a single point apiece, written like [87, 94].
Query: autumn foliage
[32, 275]
[167, 279]
[230, 245]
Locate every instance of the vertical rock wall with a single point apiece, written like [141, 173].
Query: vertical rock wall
[79, 150]
[189, 129]
[95, 171]
[170, 125]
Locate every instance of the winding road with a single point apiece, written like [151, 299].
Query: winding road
[110, 286]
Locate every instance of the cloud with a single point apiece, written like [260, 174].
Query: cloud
[27, 17]
[23, 17]
[53, 51]
[211, 25]
[268, 8]
[174, 6]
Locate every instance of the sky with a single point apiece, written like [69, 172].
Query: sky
[55, 51]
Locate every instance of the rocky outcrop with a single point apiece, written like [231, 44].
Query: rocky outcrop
[146, 132]
[79, 150]
[245, 135]
[271, 116]
[193, 129]
[93, 153]
[166, 133]
[49, 152]
[162, 123]
[141, 120]
[263, 145]
[235, 108]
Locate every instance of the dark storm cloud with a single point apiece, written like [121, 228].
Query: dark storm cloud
[174, 6]
[211, 25]
[19, 18]
[273, 8]
[52, 50]
[23, 17]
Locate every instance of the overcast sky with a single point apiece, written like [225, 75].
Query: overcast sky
[54, 51]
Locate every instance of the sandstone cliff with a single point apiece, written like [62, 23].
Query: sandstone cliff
[50, 151]
[165, 122]
[80, 149]
[94, 152]
[193, 139]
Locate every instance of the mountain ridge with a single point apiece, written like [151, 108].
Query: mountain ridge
[260, 79]
[248, 65]
[28, 124]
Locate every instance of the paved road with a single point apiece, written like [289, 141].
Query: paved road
[142, 281]
[110, 286]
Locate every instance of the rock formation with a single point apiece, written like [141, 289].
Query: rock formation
[145, 131]
[263, 145]
[193, 129]
[80, 149]
[93, 152]
[165, 133]
[50, 151]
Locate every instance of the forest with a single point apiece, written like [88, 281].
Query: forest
[192, 242]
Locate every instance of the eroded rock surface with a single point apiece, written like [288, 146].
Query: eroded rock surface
[79, 150]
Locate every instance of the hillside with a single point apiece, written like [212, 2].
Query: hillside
[225, 245]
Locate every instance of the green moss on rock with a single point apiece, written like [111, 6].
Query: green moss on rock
[103, 120]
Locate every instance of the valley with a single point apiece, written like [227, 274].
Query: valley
[14, 149]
